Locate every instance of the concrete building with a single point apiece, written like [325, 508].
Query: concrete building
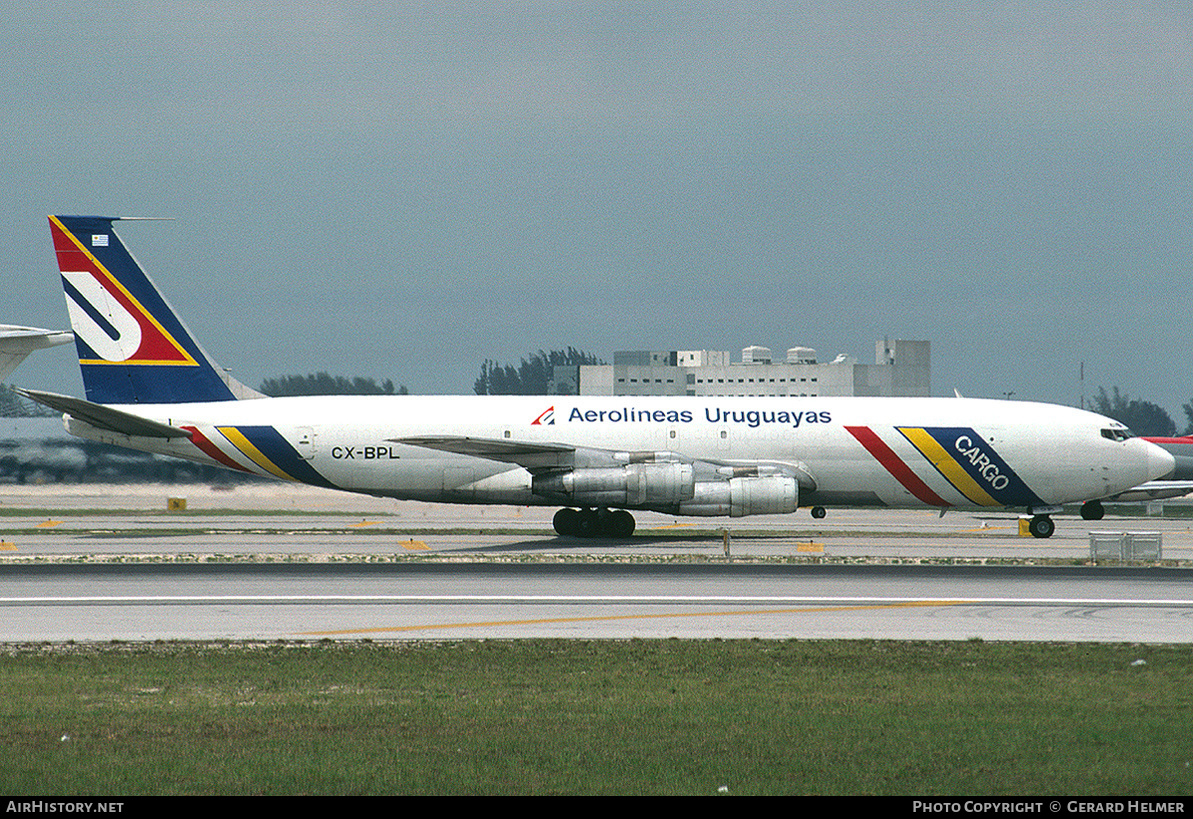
[901, 368]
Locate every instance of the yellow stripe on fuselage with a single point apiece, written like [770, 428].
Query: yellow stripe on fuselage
[948, 466]
[236, 437]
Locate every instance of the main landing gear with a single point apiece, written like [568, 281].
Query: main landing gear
[594, 522]
[1092, 510]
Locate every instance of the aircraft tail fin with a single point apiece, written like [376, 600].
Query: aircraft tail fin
[133, 348]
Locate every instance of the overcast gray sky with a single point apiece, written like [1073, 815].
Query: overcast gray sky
[402, 192]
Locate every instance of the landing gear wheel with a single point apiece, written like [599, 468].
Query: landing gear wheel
[1092, 510]
[594, 523]
[620, 524]
[1041, 526]
[566, 522]
[587, 523]
[819, 512]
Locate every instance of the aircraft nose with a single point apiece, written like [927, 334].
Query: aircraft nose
[1160, 463]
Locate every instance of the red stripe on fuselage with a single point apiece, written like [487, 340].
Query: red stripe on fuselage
[211, 450]
[902, 472]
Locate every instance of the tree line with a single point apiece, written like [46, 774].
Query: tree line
[531, 377]
[1143, 417]
[322, 383]
[15, 406]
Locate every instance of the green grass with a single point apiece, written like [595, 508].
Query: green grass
[574, 717]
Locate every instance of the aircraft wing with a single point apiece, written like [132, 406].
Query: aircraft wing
[551, 457]
[103, 417]
[534, 457]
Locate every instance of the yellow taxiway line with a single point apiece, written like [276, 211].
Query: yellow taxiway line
[614, 617]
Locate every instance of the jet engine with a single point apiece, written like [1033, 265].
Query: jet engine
[738, 497]
[676, 488]
[634, 485]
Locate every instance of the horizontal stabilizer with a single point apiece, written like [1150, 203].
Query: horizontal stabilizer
[531, 456]
[103, 417]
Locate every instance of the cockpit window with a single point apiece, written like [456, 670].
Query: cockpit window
[1117, 434]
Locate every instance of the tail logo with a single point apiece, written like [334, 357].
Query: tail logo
[111, 326]
[103, 324]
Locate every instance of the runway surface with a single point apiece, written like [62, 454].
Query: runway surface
[451, 601]
[375, 569]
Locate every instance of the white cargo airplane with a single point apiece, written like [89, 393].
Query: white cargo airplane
[151, 387]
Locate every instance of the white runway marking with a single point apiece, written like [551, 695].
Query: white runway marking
[458, 599]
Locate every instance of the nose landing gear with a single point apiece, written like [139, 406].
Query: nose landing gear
[1041, 526]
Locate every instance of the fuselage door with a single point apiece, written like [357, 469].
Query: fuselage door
[305, 443]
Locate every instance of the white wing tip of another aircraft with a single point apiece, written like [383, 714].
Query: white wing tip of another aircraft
[12, 334]
[17, 342]
[1154, 490]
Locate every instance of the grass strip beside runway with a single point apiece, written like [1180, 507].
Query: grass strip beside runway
[575, 717]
